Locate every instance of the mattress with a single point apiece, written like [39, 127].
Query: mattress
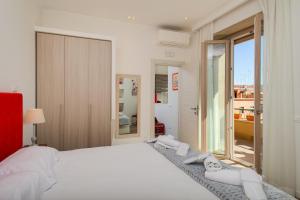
[127, 172]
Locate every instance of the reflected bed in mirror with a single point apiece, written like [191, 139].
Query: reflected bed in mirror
[128, 105]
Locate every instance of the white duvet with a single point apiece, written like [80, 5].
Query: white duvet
[127, 172]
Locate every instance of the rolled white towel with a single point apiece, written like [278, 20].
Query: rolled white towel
[168, 141]
[212, 164]
[252, 184]
[228, 176]
[197, 159]
[183, 149]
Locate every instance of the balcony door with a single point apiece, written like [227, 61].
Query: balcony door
[215, 78]
[231, 95]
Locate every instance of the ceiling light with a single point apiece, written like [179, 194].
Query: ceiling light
[131, 18]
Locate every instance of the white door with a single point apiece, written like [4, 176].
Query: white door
[188, 104]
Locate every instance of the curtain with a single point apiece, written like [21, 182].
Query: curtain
[279, 155]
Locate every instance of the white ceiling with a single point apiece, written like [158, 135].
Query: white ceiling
[151, 12]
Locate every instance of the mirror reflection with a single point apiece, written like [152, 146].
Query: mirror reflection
[128, 104]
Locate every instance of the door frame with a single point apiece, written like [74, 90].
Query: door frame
[203, 93]
[254, 32]
[154, 63]
[258, 134]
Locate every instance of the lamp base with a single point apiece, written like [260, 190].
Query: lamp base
[34, 136]
[33, 141]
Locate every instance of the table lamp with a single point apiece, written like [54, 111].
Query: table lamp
[34, 116]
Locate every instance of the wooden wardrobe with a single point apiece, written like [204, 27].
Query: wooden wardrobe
[74, 90]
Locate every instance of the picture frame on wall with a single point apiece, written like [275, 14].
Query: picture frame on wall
[175, 81]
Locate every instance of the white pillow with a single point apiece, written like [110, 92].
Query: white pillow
[20, 186]
[40, 160]
[197, 159]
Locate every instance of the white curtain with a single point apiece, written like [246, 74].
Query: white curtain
[279, 155]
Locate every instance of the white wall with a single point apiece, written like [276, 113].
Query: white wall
[136, 47]
[17, 51]
[168, 113]
[244, 11]
[296, 42]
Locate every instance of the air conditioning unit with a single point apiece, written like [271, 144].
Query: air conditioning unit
[173, 38]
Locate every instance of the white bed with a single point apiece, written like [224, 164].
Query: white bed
[127, 172]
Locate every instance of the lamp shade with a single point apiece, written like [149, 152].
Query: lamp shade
[34, 116]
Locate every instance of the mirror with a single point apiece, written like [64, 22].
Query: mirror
[128, 105]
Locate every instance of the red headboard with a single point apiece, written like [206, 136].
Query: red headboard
[11, 123]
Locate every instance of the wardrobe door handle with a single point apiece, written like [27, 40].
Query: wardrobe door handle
[61, 131]
[89, 123]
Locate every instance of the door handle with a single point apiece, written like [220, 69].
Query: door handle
[258, 112]
[196, 110]
[89, 124]
[61, 126]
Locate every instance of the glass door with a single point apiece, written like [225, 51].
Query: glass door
[247, 95]
[215, 97]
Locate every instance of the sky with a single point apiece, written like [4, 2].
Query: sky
[244, 63]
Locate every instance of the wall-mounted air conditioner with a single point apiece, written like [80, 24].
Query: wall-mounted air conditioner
[173, 38]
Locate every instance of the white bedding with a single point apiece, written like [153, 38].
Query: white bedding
[127, 172]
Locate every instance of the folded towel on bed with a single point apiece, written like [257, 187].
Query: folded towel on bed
[168, 142]
[183, 149]
[228, 176]
[160, 144]
[212, 164]
[248, 178]
[197, 159]
[250, 175]
[254, 191]
[252, 184]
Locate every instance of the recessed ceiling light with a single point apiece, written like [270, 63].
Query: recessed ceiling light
[131, 18]
[186, 18]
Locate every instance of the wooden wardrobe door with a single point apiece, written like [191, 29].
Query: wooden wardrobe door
[76, 93]
[99, 93]
[50, 88]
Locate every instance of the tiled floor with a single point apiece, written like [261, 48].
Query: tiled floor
[244, 150]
